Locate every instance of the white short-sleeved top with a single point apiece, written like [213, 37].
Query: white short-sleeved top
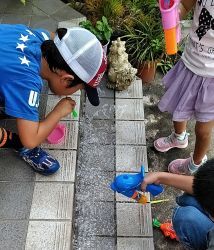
[198, 54]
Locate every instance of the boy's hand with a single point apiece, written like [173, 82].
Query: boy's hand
[150, 178]
[64, 107]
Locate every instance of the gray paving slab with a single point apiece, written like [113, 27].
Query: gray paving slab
[130, 132]
[65, 13]
[135, 90]
[129, 158]
[16, 7]
[13, 234]
[70, 140]
[53, 100]
[15, 202]
[14, 19]
[66, 173]
[134, 219]
[134, 244]
[93, 242]
[103, 91]
[122, 198]
[44, 22]
[48, 6]
[53, 201]
[71, 23]
[96, 158]
[13, 168]
[10, 124]
[98, 184]
[97, 132]
[94, 219]
[2, 123]
[105, 111]
[49, 235]
[3, 5]
[129, 109]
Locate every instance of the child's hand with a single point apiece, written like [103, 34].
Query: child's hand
[64, 107]
[150, 178]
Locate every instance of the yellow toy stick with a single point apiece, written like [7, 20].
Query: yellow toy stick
[158, 201]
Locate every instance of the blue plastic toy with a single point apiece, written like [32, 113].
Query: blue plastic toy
[130, 185]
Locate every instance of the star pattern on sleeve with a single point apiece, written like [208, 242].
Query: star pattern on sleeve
[24, 60]
[24, 38]
[30, 33]
[21, 46]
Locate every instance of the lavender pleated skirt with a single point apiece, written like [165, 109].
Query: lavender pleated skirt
[187, 95]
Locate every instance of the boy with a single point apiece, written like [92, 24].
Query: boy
[73, 60]
[193, 219]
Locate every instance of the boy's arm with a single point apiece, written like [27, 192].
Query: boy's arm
[34, 133]
[185, 7]
[174, 180]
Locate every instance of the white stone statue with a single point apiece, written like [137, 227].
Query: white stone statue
[120, 73]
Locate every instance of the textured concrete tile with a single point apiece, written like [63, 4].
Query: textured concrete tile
[48, 235]
[66, 13]
[130, 132]
[42, 106]
[96, 157]
[20, 171]
[93, 242]
[67, 161]
[74, 94]
[48, 6]
[129, 109]
[16, 7]
[38, 12]
[122, 198]
[131, 158]
[104, 111]
[15, 200]
[134, 244]
[53, 100]
[11, 125]
[3, 5]
[97, 132]
[98, 184]
[134, 91]
[2, 123]
[137, 220]
[95, 218]
[17, 18]
[71, 23]
[52, 201]
[70, 141]
[103, 91]
[13, 234]
[43, 21]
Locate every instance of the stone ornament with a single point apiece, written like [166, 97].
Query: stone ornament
[121, 74]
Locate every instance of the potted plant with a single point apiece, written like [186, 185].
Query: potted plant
[101, 30]
[145, 45]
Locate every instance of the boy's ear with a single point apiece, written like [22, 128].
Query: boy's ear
[66, 79]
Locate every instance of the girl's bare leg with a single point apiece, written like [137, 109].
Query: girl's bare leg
[203, 131]
[180, 127]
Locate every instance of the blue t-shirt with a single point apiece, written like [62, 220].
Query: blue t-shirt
[20, 62]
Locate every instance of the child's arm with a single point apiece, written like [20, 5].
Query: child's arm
[174, 180]
[34, 133]
[185, 7]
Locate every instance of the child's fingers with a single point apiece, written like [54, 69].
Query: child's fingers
[143, 186]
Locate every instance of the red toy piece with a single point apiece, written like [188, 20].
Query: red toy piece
[166, 228]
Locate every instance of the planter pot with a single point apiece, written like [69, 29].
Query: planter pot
[147, 71]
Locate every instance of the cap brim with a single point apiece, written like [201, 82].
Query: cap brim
[92, 95]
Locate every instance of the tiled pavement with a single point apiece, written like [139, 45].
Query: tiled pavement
[75, 209]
